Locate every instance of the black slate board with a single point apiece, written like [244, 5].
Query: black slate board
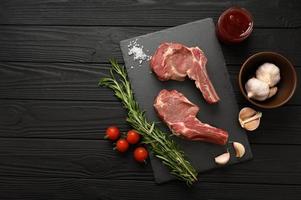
[223, 115]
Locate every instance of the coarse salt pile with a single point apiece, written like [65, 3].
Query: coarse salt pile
[136, 50]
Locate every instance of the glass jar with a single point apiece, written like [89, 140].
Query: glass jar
[234, 25]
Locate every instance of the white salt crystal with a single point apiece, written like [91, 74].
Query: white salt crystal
[136, 50]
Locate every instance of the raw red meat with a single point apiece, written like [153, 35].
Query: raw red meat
[175, 61]
[180, 116]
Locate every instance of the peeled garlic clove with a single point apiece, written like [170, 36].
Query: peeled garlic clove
[269, 73]
[273, 91]
[257, 89]
[239, 149]
[222, 159]
[249, 119]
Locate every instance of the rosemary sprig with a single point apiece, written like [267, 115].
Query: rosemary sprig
[161, 145]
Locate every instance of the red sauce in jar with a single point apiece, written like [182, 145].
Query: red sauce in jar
[234, 25]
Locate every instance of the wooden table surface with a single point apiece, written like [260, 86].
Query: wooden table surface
[53, 115]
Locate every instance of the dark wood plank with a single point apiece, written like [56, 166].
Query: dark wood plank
[58, 188]
[63, 81]
[66, 81]
[53, 147]
[98, 44]
[59, 119]
[88, 120]
[278, 13]
[95, 159]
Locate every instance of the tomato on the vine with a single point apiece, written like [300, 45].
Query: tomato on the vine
[140, 154]
[133, 137]
[112, 133]
[122, 145]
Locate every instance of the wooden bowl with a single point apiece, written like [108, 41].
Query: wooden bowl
[286, 85]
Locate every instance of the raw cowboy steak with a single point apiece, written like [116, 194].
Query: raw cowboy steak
[176, 61]
[180, 116]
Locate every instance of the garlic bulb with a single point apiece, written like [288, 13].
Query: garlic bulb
[257, 89]
[268, 73]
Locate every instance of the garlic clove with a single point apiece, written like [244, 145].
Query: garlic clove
[222, 159]
[246, 112]
[249, 119]
[273, 91]
[239, 149]
[252, 126]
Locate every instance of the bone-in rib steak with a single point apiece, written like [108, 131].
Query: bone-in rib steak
[180, 116]
[175, 61]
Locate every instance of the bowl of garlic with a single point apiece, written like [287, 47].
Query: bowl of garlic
[267, 79]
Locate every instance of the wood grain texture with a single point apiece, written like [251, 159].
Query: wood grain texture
[53, 115]
[91, 189]
[59, 119]
[64, 81]
[93, 159]
[88, 120]
[276, 13]
[76, 81]
[98, 44]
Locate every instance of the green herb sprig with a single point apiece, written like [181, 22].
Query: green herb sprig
[161, 144]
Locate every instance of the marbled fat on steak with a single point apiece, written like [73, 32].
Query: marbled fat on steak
[174, 61]
[180, 116]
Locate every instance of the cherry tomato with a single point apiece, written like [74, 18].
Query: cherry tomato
[112, 133]
[122, 145]
[133, 137]
[140, 154]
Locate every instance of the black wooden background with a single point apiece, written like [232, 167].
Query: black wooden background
[53, 115]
